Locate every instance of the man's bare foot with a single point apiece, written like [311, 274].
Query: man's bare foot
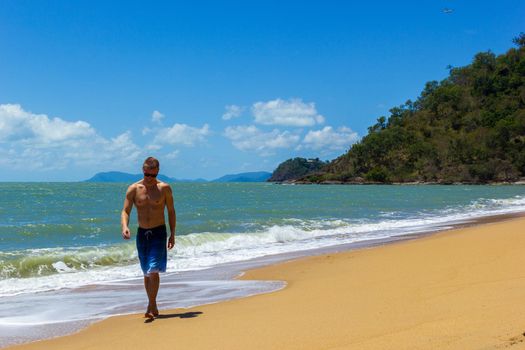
[155, 312]
[152, 308]
[149, 313]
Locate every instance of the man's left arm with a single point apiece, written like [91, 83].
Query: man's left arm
[172, 216]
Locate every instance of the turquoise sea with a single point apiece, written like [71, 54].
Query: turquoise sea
[58, 239]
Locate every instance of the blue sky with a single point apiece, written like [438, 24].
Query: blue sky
[218, 87]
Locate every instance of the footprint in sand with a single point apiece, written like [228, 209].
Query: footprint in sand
[516, 340]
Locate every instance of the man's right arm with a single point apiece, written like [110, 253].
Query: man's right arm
[128, 205]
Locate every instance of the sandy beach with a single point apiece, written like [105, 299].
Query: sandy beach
[459, 289]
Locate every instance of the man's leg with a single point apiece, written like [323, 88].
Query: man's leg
[151, 283]
[146, 286]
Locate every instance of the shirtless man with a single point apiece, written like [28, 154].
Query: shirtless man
[150, 196]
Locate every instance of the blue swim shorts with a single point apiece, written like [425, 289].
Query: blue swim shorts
[152, 249]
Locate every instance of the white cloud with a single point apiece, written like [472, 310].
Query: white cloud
[328, 139]
[293, 112]
[113, 151]
[181, 134]
[156, 116]
[250, 138]
[153, 147]
[37, 142]
[232, 111]
[17, 124]
[172, 155]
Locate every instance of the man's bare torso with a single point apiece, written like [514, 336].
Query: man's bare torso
[150, 202]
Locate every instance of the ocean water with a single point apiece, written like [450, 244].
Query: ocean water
[62, 240]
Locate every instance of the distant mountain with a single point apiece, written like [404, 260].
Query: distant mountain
[258, 176]
[117, 176]
[114, 176]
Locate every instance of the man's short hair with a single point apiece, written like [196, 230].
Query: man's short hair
[151, 163]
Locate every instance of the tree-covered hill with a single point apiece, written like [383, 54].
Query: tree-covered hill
[468, 128]
[296, 168]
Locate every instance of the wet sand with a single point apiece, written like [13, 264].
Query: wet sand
[459, 289]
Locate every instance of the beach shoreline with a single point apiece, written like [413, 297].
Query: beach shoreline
[276, 272]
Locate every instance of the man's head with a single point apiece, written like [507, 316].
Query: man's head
[150, 168]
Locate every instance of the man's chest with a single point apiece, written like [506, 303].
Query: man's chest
[149, 197]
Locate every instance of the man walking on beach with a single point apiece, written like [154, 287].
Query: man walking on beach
[150, 196]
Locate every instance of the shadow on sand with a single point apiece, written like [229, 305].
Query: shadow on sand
[182, 315]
